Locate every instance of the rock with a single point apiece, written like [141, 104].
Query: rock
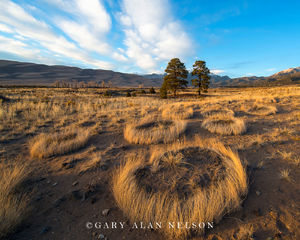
[75, 183]
[54, 184]
[45, 230]
[75, 195]
[59, 201]
[105, 212]
[101, 236]
[258, 193]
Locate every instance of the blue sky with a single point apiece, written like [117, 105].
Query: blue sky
[235, 38]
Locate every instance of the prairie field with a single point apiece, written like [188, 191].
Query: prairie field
[69, 157]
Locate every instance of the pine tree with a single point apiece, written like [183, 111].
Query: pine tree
[176, 75]
[202, 72]
[163, 91]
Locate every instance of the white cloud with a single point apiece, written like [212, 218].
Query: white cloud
[39, 32]
[217, 71]
[151, 34]
[5, 28]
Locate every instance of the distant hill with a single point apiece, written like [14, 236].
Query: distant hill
[22, 73]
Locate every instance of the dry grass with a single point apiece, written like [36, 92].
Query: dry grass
[285, 174]
[245, 232]
[151, 130]
[14, 204]
[177, 111]
[205, 203]
[217, 111]
[224, 124]
[66, 141]
[261, 109]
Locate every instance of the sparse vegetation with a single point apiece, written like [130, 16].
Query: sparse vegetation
[51, 121]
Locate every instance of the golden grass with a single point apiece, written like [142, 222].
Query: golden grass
[204, 204]
[66, 141]
[151, 130]
[13, 203]
[261, 109]
[217, 111]
[177, 111]
[285, 174]
[224, 124]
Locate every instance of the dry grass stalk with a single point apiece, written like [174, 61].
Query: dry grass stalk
[205, 201]
[224, 124]
[150, 131]
[245, 232]
[66, 141]
[14, 204]
[285, 174]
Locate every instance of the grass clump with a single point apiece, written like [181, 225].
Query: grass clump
[66, 141]
[177, 111]
[224, 125]
[14, 203]
[188, 182]
[150, 131]
[261, 110]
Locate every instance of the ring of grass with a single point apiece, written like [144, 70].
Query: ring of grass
[154, 131]
[261, 110]
[47, 145]
[212, 112]
[175, 111]
[191, 182]
[224, 125]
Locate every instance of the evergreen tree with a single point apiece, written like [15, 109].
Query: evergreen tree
[163, 91]
[176, 75]
[202, 73]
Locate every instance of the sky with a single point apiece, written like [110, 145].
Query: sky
[235, 38]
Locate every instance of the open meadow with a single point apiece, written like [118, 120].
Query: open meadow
[71, 159]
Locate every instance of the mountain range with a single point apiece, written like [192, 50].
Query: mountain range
[25, 74]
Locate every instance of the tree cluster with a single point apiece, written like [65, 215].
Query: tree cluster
[176, 77]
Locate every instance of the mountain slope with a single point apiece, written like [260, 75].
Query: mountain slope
[19, 73]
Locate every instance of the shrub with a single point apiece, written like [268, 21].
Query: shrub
[152, 90]
[128, 94]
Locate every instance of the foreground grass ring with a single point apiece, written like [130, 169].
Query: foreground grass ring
[192, 183]
[224, 125]
[154, 131]
[261, 110]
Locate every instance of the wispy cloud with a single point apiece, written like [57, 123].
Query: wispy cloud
[270, 69]
[151, 33]
[217, 71]
[37, 32]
